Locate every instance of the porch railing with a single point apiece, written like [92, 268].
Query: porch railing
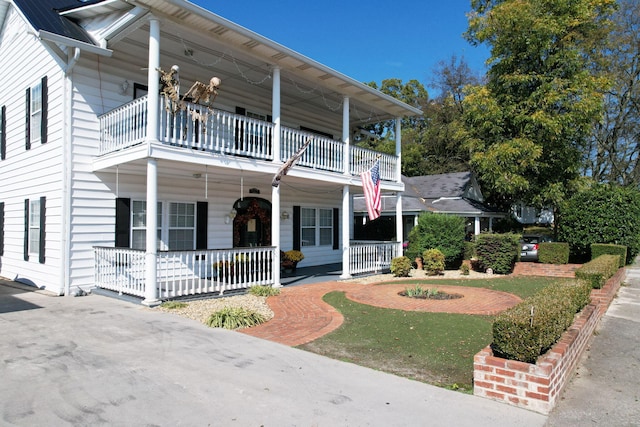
[210, 130]
[182, 273]
[367, 257]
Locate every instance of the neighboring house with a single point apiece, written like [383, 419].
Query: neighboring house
[93, 154]
[525, 214]
[450, 193]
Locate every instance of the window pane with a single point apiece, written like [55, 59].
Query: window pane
[36, 112]
[326, 217]
[308, 217]
[326, 236]
[34, 227]
[308, 237]
[139, 239]
[139, 210]
[180, 240]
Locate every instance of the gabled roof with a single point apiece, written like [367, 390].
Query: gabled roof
[437, 186]
[443, 193]
[44, 15]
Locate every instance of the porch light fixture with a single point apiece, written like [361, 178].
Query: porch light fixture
[284, 215]
[231, 215]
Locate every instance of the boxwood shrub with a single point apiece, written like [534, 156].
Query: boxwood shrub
[529, 329]
[598, 249]
[553, 252]
[598, 270]
[498, 252]
[401, 266]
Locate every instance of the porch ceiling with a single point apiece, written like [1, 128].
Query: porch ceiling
[204, 44]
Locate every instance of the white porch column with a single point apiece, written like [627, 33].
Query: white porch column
[399, 148]
[491, 224]
[275, 234]
[275, 112]
[151, 254]
[347, 216]
[476, 229]
[346, 136]
[153, 80]
[399, 221]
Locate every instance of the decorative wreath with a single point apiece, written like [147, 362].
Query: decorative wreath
[253, 211]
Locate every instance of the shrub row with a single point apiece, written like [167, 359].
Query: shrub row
[553, 253]
[598, 270]
[529, 329]
[598, 249]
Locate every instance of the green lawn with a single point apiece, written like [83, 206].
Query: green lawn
[436, 348]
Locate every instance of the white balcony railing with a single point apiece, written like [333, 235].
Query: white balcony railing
[366, 257]
[210, 130]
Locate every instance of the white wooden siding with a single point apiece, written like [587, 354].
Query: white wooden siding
[30, 174]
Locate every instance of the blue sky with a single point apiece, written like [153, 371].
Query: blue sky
[368, 40]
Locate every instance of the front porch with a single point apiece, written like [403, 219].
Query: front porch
[216, 271]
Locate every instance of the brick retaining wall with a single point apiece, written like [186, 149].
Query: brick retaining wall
[548, 270]
[538, 386]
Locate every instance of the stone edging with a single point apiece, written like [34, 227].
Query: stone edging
[537, 386]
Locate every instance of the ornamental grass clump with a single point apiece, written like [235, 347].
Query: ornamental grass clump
[234, 318]
[263, 291]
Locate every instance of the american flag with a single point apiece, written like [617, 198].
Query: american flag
[371, 187]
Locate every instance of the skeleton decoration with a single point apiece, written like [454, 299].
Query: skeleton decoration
[198, 93]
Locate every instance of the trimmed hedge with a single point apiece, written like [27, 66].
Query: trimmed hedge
[553, 252]
[598, 270]
[529, 329]
[498, 252]
[598, 249]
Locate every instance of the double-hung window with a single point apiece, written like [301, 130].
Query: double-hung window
[316, 227]
[176, 225]
[35, 113]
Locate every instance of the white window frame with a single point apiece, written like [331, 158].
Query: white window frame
[317, 226]
[35, 113]
[34, 227]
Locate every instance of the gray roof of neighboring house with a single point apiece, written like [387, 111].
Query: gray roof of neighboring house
[443, 193]
[45, 15]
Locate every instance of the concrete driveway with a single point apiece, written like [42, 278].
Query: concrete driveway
[94, 360]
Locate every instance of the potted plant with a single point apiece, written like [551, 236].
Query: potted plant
[289, 260]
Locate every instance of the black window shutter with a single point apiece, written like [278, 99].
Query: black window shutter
[27, 142]
[202, 217]
[1, 228]
[43, 234]
[296, 228]
[123, 221]
[45, 108]
[336, 229]
[26, 229]
[3, 133]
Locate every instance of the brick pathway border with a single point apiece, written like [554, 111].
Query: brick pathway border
[301, 316]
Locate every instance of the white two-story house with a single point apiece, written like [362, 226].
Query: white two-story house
[125, 165]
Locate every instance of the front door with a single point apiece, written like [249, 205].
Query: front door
[252, 224]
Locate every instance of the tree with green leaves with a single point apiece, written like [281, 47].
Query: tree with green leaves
[526, 127]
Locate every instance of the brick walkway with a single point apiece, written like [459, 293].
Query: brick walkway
[300, 315]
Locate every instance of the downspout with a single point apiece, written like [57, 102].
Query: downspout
[65, 263]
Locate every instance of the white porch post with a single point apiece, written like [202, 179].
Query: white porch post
[151, 254]
[153, 80]
[347, 211]
[476, 229]
[490, 224]
[399, 221]
[346, 229]
[275, 191]
[346, 136]
[275, 234]
[275, 112]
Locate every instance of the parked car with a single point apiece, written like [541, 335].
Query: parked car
[529, 246]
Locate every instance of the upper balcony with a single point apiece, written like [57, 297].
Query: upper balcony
[210, 130]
